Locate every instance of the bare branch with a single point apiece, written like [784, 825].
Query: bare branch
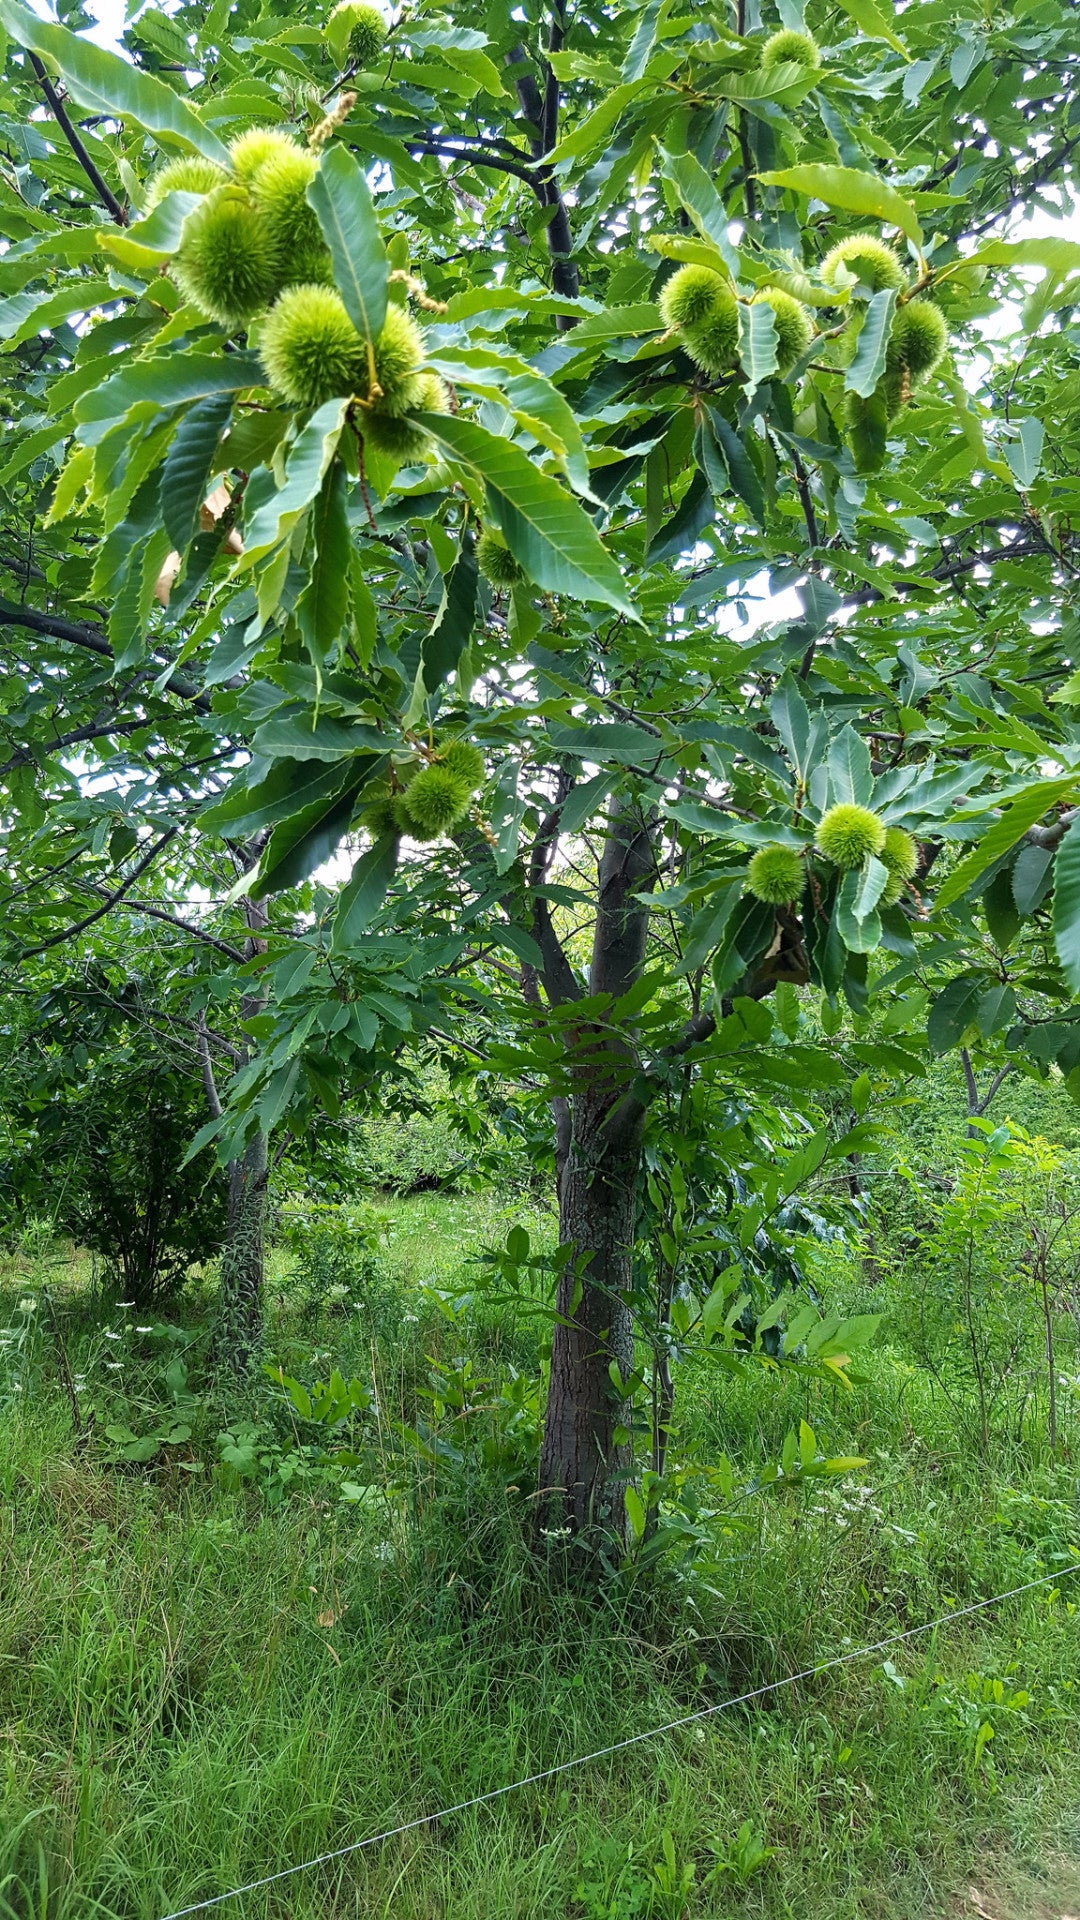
[95, 731]
[970, 1082]
[101, 186]
[80, 926]
[186, 926]
[541, 111]
[476, 156]
[213, 1098]
[54, 627]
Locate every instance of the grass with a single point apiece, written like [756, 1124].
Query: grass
[199, 1687]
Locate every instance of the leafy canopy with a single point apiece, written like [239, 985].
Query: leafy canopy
[232, 615]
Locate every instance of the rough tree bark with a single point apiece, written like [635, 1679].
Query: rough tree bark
[239, 1331]
[583, 1467]
[599, 1137]
[978, 1103]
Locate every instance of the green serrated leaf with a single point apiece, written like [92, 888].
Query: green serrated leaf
[542, 524]
[307, 463]
[870, 20]
[25, 314]
[852, 190]
[872, 883]
[157, 236]
[1024, 455]
[1067, 907]
[868, 364]
[286, 787]
[108, 84]
[757, 343]
[635, 1512]
[364, 893]
[536, 404]
[321, 609]
[342, 201]
[443, 647]
[851, 777]
[185, 472]
[703, 204]
[868, 425]
[953, 1012]
[305, 841]
[742, 472]
[680, 533]
[860, 932]
[167, 380]
[1005, 832]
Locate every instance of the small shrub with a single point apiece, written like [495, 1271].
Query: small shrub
[336, 1263]
[101, 1157]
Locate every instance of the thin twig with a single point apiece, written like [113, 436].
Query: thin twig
[80, 926]
[186, 926]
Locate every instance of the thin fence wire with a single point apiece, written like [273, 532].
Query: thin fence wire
[619, 1746]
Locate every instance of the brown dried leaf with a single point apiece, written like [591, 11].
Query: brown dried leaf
[166, 579]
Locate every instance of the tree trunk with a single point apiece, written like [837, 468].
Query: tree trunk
[583, 1468]
[238, 1336]
[977, 1103]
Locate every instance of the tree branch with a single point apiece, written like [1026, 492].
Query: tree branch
[560, 980]
[541, 111]
[627, 867]
[31, 752]
[476, 157]
[101, 187]
[54, 627]
[70, 933]
[213, 1098]
[1028, 183]
[970, 1082]
[1001, 1074]
[1052, 836]
[949, 570]
[186, 926]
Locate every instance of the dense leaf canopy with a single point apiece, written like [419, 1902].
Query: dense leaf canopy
[236, 627]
